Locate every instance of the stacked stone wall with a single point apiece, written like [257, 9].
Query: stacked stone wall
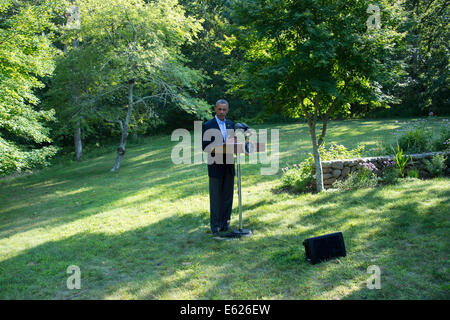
[340, 169]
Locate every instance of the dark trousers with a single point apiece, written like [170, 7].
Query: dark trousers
[221, 200]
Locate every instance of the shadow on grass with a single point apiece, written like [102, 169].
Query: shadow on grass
[59, 195]
[407, 241]
[64, 193]
[148, 262]
[176, 258]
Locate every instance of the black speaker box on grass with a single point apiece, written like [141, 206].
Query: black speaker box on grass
[324, 247]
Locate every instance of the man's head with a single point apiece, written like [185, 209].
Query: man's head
[221, 109]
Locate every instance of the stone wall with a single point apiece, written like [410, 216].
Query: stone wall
[340, 169]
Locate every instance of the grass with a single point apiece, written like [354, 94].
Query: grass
[143, 232]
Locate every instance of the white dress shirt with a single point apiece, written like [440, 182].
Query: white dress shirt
[223, 128]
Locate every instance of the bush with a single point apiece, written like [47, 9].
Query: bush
[367, 169]
[390, 173]
[300, 178]
[436, 166]
[364, 177]
[443, 142]
[338, 151]
[413, 173]
[381, 149]
[416, 141]
[15, 159]
[417, 137]
[278, 118]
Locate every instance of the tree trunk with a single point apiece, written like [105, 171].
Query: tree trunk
[77, 140]
[325, 119]
[317, 162]
[124, 129]
[77, 129]
[121, 149]
[312, 131]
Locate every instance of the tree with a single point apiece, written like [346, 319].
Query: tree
[73, 20]
[72, 91]
[206, 54]
[314, 57]
[139, 45]
[26, 56]
[427, 55]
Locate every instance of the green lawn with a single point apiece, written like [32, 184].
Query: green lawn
[143, 233]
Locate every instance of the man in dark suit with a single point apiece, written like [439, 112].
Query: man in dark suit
[221, 170]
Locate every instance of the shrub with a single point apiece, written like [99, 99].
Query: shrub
[389, 173]
[417, 137]
[338, 151]
[413, 173]
[368, 167]
[381, 149]
[300, 178]
[443, 142]
[364, 177]
[14, 159]
[416, 141]
[436, 166]
[335, 152]
[278, 118]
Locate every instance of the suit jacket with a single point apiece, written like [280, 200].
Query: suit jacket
[217, 170]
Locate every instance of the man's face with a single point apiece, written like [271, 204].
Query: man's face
[221, 111]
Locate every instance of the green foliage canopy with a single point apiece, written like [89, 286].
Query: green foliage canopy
[26, 55]
[141, 42]
[299, 51]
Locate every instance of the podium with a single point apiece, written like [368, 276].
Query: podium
[237, 148]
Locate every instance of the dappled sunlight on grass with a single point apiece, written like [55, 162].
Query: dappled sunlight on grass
[143, 232]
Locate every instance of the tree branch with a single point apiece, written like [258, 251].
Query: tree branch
[110, 121]
[302, 107]
[325, 122]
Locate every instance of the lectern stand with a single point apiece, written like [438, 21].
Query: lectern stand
[239, 232]
[238, 148]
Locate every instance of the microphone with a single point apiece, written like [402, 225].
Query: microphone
[249, 147]
[244, 127]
